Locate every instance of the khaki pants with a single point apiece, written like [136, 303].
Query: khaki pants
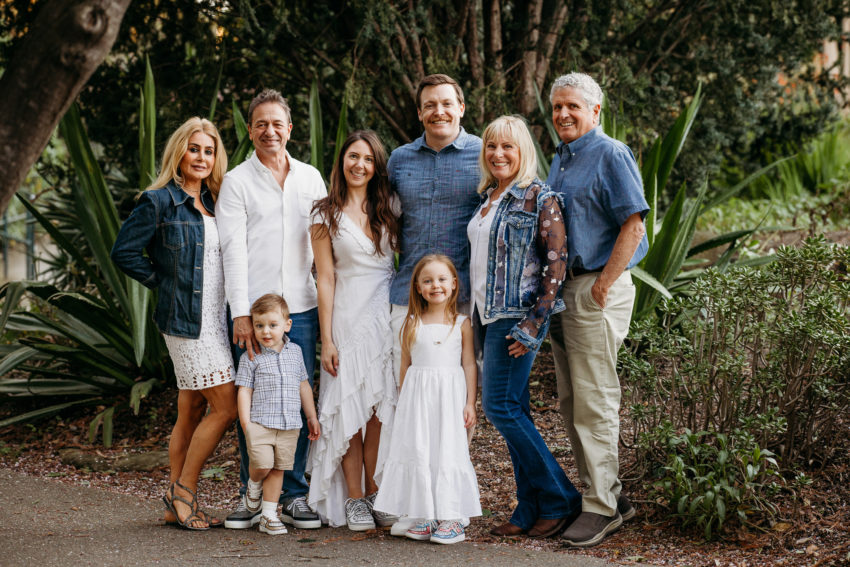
[585, 340]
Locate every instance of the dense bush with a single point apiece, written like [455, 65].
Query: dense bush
[762, 351]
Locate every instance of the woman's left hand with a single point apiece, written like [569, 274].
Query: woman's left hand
[516, 348]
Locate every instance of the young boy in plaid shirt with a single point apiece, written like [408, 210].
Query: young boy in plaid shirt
[273, 388]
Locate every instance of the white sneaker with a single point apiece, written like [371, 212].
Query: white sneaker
[383, 519]
[271, 526]
[402, 525]
[253, 500]
[449, 531]
[358, 515]
[423, 530]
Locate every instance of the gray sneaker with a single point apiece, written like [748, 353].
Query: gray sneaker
[625, 508]
[590, 528]
[358, 515]
[242, 518]
[298, 513]
[383, 519]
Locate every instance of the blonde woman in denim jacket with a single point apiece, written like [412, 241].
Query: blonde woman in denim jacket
[518, 264]
[174, 223]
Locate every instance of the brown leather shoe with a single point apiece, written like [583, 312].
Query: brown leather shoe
[547, 527]
[507, 530]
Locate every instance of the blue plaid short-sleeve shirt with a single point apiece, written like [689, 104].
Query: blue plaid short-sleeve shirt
[276, 379]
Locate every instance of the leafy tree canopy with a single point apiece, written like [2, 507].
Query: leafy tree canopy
[754, 58]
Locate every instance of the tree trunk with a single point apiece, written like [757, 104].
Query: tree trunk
[493, 26]
[527, 101]
[66, 43]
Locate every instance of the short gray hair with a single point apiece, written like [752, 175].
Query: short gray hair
[589, 89]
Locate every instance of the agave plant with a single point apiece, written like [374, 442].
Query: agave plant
[86, 346]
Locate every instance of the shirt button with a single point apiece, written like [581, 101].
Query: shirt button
[562, 169]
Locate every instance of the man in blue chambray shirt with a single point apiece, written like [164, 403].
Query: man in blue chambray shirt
[604, 207]
[436, 177]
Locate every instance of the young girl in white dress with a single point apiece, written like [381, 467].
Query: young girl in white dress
[427, 473]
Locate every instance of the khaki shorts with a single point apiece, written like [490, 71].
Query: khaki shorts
[270, 448]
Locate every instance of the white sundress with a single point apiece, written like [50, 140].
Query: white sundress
[206, 361]
[427, 473]
[365, 383]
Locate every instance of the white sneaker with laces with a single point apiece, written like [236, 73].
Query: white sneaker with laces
[253, 500]
[423, 530]
[449, 531]
[358, 515]
[383, 519]
[271, 526]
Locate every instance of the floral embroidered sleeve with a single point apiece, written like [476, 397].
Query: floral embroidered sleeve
[551, 244]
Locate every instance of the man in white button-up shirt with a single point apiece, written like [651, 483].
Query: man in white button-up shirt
[263, 215]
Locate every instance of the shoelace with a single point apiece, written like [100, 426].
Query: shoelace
[300, 504]
[240, 507]
[360, 510]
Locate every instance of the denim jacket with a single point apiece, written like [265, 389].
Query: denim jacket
[527, 261]
[167, 225]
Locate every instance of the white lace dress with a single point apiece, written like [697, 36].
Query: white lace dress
[206, 361]
[427, 472]
[365, 383]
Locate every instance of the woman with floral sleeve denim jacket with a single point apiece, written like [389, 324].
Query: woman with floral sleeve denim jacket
[518, 264]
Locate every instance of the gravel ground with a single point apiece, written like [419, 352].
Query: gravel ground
[812, 531]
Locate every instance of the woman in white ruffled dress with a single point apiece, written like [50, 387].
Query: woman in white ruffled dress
[354, 234]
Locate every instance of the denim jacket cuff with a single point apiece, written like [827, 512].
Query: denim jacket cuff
[151, 281]
[525, 339]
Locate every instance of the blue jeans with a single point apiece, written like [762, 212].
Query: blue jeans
[305, 329]
[543, 490]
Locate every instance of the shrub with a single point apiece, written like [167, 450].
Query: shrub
[709, 478]
[761, 351]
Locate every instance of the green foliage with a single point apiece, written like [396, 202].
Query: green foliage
[823, 162]
[712, 478]
[90, 345]
[647, 56]
[760, 350]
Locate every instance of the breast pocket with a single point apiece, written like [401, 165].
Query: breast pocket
[174, 235]
[518, 236]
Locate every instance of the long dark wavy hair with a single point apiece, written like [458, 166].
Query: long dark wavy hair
[379, 194]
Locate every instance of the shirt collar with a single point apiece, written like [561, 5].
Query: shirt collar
[179, 196]
[463, 139]
[515, 190]
[260, 166]
[581, 143]
[267, 350]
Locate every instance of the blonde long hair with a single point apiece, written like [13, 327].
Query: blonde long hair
[176, 147]
[416, 304]
[515, 129]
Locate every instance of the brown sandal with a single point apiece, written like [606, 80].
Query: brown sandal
[212, 521]
[195, 514]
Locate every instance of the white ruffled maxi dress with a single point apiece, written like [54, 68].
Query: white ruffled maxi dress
[365, 383]
[427, 473]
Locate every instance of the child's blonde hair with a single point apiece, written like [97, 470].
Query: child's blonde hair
[416, 304]
[268, 303]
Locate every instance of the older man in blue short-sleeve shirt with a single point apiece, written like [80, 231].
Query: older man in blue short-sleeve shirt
[604, 207]
[436, 176]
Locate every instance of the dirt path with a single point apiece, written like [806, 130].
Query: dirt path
[44, 522]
